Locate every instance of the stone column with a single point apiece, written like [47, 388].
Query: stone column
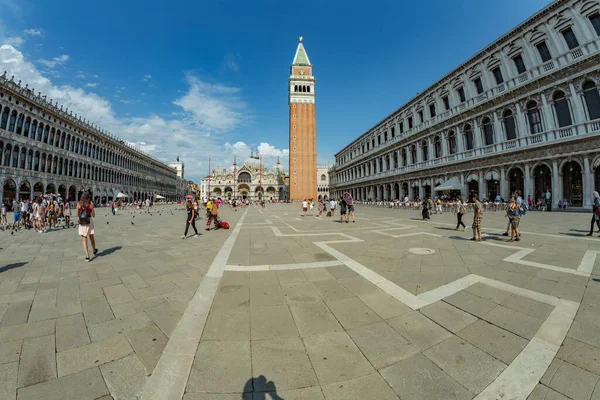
[548, 116]
[463, 191]
[576, 105]
[556, 190]
[497, 129]
[482, 186]
[521, 121]
[587, 183]
[476, 136]
[504, 189]
[445, 147]
[421, 191]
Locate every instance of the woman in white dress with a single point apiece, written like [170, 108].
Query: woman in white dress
[85, 213]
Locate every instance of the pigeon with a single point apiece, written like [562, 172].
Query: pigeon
[106, 222]
[132, 223]
[134, 216]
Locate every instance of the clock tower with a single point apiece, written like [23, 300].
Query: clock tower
[303, 132]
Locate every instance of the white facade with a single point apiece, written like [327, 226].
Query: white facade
[179, 167]
[522, 114]
[323, 181]
[204, 189]
[45, 149]
[250, 180]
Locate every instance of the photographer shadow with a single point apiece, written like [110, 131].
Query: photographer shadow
[259, 388]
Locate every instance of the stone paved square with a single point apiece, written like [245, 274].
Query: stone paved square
[304, 307]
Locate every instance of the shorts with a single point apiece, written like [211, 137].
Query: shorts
[304, 209]
[343, 212]
[477, 222]
[17, 216]
[351, 208]
[514, 222]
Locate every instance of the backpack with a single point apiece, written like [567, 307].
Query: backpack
[224, 225]
[523, 209]
[84, 216]
[463, 209]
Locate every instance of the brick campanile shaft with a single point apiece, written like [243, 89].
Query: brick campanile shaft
[303, 130]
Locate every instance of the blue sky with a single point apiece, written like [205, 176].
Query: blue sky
[200, 78]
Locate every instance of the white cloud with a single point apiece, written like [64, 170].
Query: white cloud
[147, 78]
[91, 84]
[268, 150]
[214, 107]
[14, 41]
[55, 61]
[32, 32]
[207, 111]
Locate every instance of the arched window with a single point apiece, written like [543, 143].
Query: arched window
[15, 156]
[413, 154]
[13, 120]
[563, 112]
[46, 133]
[395, 157]
[4, 119]
[295, 88]
[437, 146]
[26, 127]
[51, 138]
[404, 159]
[452, 142]
[23, 158]
[425, 150]
[40, 132]
[7, 151]
[592, 99]
[20, 124]
[308, 89]
[36, 161]
[468, 135]
[30, 160]
[323, 178]
[488, 131]
[509, 125]
[33, 129]
[535, 118]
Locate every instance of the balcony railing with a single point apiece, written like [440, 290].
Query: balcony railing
[518, 144]
[556, 63]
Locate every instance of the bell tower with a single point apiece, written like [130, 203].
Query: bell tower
[303, 132]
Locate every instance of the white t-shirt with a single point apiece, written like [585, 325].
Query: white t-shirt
[147, 202]
[332, 204]
[304, 204]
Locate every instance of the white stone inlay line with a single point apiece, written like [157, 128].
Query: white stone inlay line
[169, 379]
[279, 267]
[519, 379]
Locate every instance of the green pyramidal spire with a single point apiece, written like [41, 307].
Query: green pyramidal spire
[301, 58]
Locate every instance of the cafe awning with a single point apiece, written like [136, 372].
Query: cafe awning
[451, 184]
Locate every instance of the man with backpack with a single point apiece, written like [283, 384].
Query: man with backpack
[522, 210]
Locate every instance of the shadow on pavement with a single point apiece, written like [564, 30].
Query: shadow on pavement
[109, 251]
[264, 387]
[11, 266]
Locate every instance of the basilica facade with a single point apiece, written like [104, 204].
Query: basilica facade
[250, 180]
[522, 114]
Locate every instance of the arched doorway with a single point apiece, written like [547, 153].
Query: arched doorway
[38, 189]
[396, 191]
[492, 182]
[72, 193]
[25, 191]
[405, 189]
[243, 191]
[51, 189]
[62, 190]
[572, 183]
[516, 181]
[542, 181]
[9, 190]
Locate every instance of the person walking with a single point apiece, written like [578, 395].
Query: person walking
[477, 218]
[595, 212]
[85, 213]
[350, 205]
[426, 210]
[67, 213]
[460, 209]
[333, 206]
[147, 205]
[343, 210]
[304, 207]
[514, 216]
[191, 219]
[3, 222]
[321, 207]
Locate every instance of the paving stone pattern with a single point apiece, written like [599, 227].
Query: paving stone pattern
[76, 330]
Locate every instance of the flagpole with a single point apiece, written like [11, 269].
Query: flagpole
[208, 194]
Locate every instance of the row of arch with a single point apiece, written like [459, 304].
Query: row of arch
[31, 128]
[534, 120]
[302, 88]
[435, 147]
[11, 155]
[25, 190]
[565, 180]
